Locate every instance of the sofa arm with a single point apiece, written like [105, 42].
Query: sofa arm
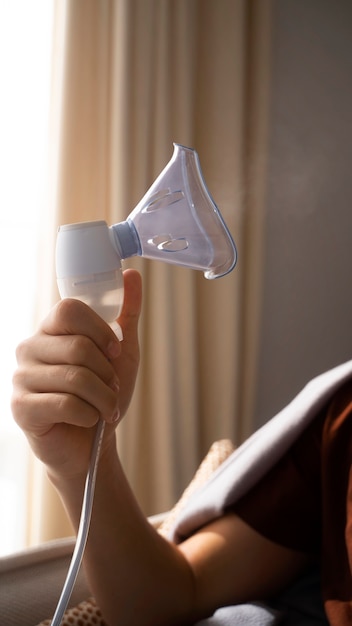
[31, 583]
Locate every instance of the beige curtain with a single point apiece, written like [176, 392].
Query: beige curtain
[129, 78]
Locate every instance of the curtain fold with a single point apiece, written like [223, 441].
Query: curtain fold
[136, 76]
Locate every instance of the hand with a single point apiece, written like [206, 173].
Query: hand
[72, 373]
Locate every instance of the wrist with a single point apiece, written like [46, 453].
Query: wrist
[69, 479]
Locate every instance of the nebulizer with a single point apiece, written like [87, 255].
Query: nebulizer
[177, 222]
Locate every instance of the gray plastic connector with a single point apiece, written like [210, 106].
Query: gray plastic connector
[126, 240]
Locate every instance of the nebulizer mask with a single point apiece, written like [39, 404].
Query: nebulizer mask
[176, 222]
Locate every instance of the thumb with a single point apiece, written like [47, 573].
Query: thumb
[132, 304]
[126, 365]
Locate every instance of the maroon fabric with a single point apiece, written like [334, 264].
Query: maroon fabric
[305, 502]
[337, 509]
[285, 505]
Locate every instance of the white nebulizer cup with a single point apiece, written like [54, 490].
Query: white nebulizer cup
[89, 268]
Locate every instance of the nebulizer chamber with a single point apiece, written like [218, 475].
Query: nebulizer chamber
[176, 222]
[89, 268]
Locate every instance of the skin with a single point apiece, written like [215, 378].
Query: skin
[74, 372]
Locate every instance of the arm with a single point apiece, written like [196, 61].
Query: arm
[74, 372]
[139, 577]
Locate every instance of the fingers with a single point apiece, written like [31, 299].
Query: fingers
[66, 377]
[66, 349]
[74, 368]
[73, 394]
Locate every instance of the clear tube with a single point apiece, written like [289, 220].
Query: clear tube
[83, 527]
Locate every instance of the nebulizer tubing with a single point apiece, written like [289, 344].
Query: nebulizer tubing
[83, 528]
[177, 222]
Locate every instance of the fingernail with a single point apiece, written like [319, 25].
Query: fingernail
[115, 386]
[117, 330]
[116, 416]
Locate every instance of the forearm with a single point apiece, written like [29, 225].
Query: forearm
[135, 575]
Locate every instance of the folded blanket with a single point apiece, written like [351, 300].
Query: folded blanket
[258, 454]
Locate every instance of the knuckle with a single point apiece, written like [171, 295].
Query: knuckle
[65, 308]
[22, 350]
[71, 406]
[64, 404]
[79, 348]
[74, 376]
[17, 377]
[17, 403]
[67, 311]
